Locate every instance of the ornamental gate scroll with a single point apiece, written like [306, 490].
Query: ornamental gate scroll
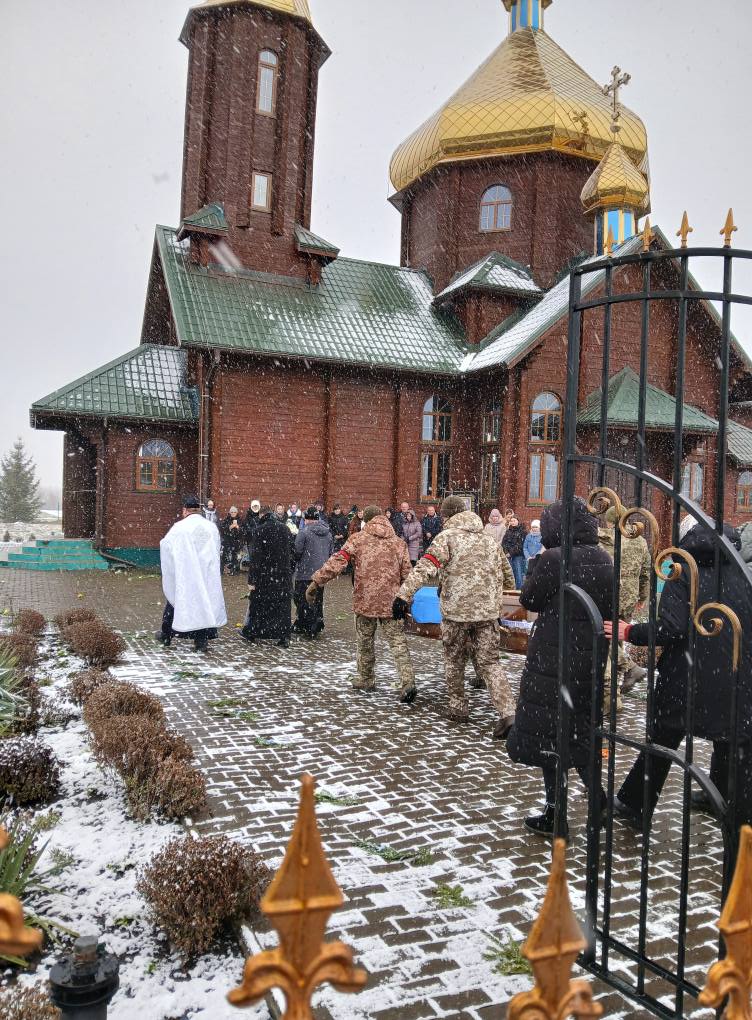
[647, 892]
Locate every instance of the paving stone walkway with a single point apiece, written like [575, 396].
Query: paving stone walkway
[403, 780]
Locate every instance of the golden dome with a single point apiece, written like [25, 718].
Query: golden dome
[616, 183]
[297, 8]
[529, 96]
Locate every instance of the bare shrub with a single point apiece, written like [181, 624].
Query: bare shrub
[177, 789]
[95, 643]
[22, 648]
[29, 621]
[82, 685]
[195, 887]
[29, 771]
[71, 616]
[27, 1004]
[120, 698]
[135, 745]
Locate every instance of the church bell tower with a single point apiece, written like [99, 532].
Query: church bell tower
[249, 133]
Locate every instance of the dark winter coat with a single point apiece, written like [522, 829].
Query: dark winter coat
[232, 538]
[250, 524]
[338, 527]
[270, 573]
[513, 542]
[713, 688]
[412, 535]
[395, 519]
[533, 737]
[431, 528]
[313, 547]
[745, 533]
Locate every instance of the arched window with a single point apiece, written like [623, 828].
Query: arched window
[436, 453]
[693, 476]
[155, 467]
[490, 452]
[744, 492]
[266, 93]
[496, 209]
[545, 437]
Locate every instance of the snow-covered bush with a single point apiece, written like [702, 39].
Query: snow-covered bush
[120, 698]
[83, 684]
[29, 771]
[21, 647]
[29, 621]
[177, 789]
[76, 615]
[97, 644]
[196, 887]
[27, 1004]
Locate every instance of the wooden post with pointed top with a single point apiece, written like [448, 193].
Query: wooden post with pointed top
[554, 943]
[684, 230]
[732, 977]
[15, 938]
[298, 903]
[729, 228]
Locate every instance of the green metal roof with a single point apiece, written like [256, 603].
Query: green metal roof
[362, 313]
[495, 273]
[306, 240]
[740, 443]
[209, 219]
[623, 402]
[146, 383]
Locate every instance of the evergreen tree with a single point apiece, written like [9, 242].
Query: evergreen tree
[19, 496]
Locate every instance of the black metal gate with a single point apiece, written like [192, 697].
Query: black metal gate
[634, 874]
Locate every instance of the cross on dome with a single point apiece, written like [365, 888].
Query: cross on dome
[618, 80]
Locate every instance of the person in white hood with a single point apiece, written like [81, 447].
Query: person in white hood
[191, 579]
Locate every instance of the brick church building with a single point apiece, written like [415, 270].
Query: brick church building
[271, 366]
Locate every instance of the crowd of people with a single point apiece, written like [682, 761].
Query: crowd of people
[293, 554]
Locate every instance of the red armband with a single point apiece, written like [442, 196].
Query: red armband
[432, 559]
[345, 555]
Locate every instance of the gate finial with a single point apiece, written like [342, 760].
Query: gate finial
[15, 938]
[608, 247]
[554, 943]
[729, 228]
[684, 230]
[732, 976]
[299, 902]
[647, 235]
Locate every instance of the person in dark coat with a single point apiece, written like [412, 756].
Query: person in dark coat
[338, 526]
[269, 581]
[532, 739]
[513, 545]
[432, 525]
[714, 678]
[252, 519]
[231, 533]
[313, 547]
[395, 519]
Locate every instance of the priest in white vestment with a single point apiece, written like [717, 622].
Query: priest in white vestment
[192, 579]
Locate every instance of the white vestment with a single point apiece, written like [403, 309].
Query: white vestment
[191, 574]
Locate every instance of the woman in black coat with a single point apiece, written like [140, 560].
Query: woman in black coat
[532, 739]
[269, 581]
[714, 677]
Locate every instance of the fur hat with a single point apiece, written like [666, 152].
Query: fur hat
[191, 503]
[535, 524]
[370, 512]
[311, 514]
[452, 506]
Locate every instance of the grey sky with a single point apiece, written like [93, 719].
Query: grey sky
[92, 119]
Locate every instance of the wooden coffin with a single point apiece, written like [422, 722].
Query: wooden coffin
[512, 639]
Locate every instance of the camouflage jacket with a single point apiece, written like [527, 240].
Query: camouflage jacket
[473, 571]
[381, 564]
[636, 565]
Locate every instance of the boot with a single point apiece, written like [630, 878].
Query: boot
[543, 824]
[476, 683]
[699, 801]
[363, 685]
[634, 675]
[164, 639]
[453, 715]
[627, 814]
[246, 633]
[502, 727]
[201, 644]
[283, 643]
[409, 696]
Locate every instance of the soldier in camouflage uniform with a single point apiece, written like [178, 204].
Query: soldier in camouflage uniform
[634, 589]
[381, 563]
[473, 573]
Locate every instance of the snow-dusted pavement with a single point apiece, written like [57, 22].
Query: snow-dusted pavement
[404, 780]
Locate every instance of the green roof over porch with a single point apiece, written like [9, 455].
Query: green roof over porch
[623, 405]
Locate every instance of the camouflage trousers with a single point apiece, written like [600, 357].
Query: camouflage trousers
[394, 632]
[481, 641]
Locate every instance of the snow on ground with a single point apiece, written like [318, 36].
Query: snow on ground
[21, 531]
[97, 891]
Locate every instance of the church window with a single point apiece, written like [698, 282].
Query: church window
[261, 192]
[155, 467]
[496, 209]
[266, 98]
[693, 479]
[744, 492]
[545, 438]
[490, 454]
[436, 453]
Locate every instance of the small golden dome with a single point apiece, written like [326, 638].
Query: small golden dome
[529, 96]
[297, 8]
[616, 183]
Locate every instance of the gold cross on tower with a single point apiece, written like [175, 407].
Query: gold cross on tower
[617, 81]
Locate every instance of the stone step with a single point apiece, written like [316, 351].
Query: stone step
[55, 554]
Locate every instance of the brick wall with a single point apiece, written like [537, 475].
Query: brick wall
[442, 215]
